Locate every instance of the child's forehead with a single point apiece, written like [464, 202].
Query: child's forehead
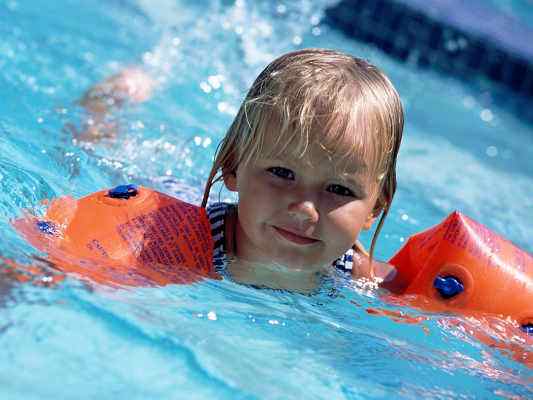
[342, 155]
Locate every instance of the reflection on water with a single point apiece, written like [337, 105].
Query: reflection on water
[217, 339]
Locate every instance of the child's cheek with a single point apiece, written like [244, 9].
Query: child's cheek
[347, 221]
[332, 203]
[259, 190]
[336, 207]
[269, 183]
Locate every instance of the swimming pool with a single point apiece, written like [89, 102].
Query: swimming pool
[218, 339]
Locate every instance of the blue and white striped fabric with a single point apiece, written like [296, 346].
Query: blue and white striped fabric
[216, 213]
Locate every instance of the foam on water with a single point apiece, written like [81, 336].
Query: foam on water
[218, 339]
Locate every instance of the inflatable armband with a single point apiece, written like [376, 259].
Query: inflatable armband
[128, 236]
[463, 267]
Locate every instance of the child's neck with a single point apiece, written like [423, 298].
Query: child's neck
[264, 273]
[272, 276]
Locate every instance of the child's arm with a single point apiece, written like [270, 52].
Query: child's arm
[364, 269]
[131, 85]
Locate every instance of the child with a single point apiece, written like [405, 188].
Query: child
[312, 155]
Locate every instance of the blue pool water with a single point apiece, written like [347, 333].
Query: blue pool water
[219, 340]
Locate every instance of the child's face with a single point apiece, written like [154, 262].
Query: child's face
[303, 212]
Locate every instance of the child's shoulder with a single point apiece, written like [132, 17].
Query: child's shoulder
[356, 261]
[217, 212]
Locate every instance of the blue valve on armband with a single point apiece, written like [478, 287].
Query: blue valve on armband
[448, 286]
[46, 227]
[527, 328]
[123, 192]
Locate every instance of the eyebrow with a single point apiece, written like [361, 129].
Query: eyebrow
[353, 166]
[357, 166]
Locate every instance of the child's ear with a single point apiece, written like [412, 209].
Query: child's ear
[369, 221]
[230, 179]
[378, 208]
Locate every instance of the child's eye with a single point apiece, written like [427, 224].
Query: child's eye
[340, 190]
[280, 172]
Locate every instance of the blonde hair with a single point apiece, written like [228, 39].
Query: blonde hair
[317, 90]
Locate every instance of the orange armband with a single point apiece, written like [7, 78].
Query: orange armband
[127, 235]
[461, 266]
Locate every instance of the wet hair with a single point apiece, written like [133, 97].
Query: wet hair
[323, 96]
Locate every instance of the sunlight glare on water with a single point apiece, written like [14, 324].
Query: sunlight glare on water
[216, 339]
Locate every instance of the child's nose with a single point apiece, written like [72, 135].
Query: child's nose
[304, 211]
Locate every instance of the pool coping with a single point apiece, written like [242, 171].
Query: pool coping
[463, 39]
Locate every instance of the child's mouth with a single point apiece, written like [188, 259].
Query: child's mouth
[294, 237]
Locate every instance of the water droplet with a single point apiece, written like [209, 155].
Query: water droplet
[205, 87]
[469, 102]
[206, 142]
[492, 151]
[486, 115]
[214, 81]
[222, 106]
